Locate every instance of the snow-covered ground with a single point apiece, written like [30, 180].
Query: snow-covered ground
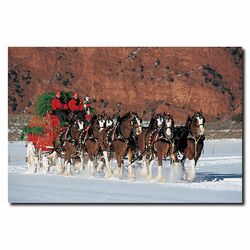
[218, 180]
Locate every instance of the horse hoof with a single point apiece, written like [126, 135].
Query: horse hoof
[190, 178]
[131, 177]
[160, 179]
[144, 173]
[67, 174]
[149, 177]
[110, 174]
[117, 173]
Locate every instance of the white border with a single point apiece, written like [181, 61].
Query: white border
[120, 23]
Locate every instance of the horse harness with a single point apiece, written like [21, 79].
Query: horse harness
[111, 135]
[157, 135]
[196, 140]
[87, 136]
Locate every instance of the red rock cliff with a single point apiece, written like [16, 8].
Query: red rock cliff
[175, 80]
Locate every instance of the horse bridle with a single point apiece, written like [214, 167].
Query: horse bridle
[134, 122]
[110, 122]
[196, 126]
[99, 119]
[169, 127]
[76, 122]
[200, 117]
[159, 118]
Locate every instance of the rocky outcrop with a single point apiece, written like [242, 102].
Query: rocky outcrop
[175, 80]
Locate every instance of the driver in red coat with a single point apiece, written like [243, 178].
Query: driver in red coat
[58, 108]
[75, 103]
[76, 106]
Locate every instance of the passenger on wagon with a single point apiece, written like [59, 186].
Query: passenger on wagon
[59, 108]
[76, 106]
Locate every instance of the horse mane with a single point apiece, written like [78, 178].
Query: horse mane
[125, 117]
[71, 121]
[188, 120]
[93, 119]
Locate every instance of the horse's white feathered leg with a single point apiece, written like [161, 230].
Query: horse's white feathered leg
[99, 166]
[67, 171]
[32, 159]
[45, 163]
[144, 171]
[184, 172]
[92, 167]
[150, 169]
[117, 171]
[77, 166]
[191, 170]
[88, 166]
[59, 166]
[176, 171]
[35, 163]
[159, 176]
[108, 167]
[131, 174]
[82, 162]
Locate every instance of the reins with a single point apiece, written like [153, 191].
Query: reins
[190, 136]
[137, 157]
[195, 142]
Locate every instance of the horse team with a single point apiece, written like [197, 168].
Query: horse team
[93, 145]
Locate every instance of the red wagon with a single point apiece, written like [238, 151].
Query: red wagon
[51, 129]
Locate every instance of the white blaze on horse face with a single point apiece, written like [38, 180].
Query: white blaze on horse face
[159, 121]
[101, 124]
[168, 125]
[80, 125]
[109, 123]
[139, 128]
[201, 129]
[168, 132]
